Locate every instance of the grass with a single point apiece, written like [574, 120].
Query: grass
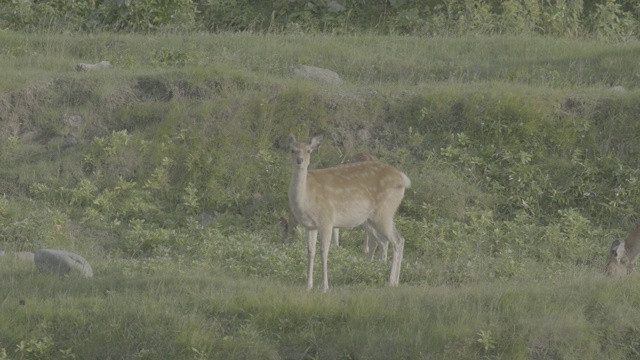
[217, 314]
[522, 162]
[397, 60]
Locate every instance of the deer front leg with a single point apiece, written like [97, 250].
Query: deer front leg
[312, 238]
[325, 239]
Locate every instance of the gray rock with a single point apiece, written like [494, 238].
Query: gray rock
[73, 121]
[316, 74]
[61, 262]
[334, 6]
[96, 66]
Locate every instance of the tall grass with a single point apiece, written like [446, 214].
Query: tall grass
[213, 314]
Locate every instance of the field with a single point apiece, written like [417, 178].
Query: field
[168, 173]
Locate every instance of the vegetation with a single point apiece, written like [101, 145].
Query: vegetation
[603, 19]
[168, 173]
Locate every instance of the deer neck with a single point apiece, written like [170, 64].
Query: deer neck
[298, 191]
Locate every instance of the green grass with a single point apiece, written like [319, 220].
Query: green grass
[218, 315]
[523, 166]
[363, 60]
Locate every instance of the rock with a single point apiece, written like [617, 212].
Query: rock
[61, 262]
[316, 74]
[72, 125]
[96, 66]
[73, 121]
[334, 6]
[363, 135]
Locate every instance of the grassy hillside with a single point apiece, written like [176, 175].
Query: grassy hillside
[169, 170]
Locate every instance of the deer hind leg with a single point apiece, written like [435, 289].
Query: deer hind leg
[399, 249]
[367, 240]
[372, 241]
[387, 232]
[312, 238]
[335, 237]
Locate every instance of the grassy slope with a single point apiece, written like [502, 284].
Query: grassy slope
[185, 307]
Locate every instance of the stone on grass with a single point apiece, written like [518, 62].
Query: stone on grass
[315, 74]
[96, 66]
[61, 262]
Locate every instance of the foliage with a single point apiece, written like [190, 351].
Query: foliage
[612, 20]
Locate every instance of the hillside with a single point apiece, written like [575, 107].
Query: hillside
[169, 171]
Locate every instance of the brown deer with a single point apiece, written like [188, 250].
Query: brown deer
[370, 243]
[362, 193]
[628, 251]
[614, 267]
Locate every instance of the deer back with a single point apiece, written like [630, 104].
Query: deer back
[352, 193]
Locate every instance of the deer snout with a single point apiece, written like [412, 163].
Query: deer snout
[299, 160]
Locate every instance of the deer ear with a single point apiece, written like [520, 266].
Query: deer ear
[315, 142]
[292, 139]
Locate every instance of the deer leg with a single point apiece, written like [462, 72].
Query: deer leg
[384, 249]
[335, 237]
[371, 244]
[312, 238]
[325, 238]
[367, 239]
[373, 241]
[398, 252]
[387, 232]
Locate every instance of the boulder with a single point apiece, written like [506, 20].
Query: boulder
[61, 262]
[336, 7]
[315, 74]
[96, 66]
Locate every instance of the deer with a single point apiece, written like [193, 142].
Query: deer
[370, 243]
[625, 252]
[363, 193]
